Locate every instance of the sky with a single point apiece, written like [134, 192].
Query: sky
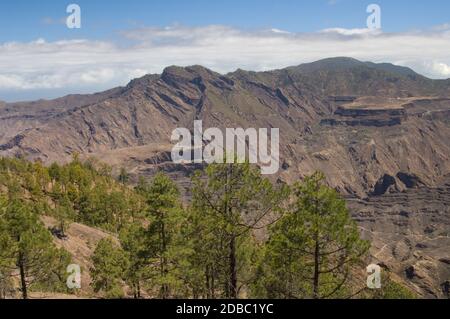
[40, 57]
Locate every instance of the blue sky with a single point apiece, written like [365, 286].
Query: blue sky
[26, 20]
[119, 40]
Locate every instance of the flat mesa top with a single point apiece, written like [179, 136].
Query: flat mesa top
[380, 103]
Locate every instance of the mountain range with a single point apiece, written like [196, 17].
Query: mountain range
[379, 132]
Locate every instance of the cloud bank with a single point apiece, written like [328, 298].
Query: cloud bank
[97, 65]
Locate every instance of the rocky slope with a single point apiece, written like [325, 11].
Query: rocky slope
[16, 118]
[379, 132]
[410, 235]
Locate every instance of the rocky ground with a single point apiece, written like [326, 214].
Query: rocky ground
[410, 235]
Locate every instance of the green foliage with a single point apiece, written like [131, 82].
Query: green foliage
[78, 192]
[390, 289]
[165, 215]
[28, 249]
[109, 264]
[73, 192]
[214, 248]
[227, 206]
[312, 249]
[134, 243]
[6, 260]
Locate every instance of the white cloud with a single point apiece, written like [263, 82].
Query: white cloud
[274, 30]
[96, 65]
[348, 32]
[442, 69]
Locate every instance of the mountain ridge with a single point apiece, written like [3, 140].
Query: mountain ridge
[375, 131]
[287, 98]
[389, 67]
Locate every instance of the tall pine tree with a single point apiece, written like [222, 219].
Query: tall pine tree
[30, 249]
[109, 265]
[231, 201]
[166, 219]
[312, 249]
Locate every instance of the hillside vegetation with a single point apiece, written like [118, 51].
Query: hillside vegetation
[239, 236]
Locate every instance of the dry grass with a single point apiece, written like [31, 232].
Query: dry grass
[80, 243]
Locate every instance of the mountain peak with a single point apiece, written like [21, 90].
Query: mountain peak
[143, 81]
[337, 63]
[189, 72]
[346, 63]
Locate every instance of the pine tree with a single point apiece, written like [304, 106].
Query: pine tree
[206, 264]
[109, 264]
[64, 213]
[165, 216]
[232, 201]
[134, 244]
[63, 209]
[6, 254]
[30, 248]
[312, 249]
